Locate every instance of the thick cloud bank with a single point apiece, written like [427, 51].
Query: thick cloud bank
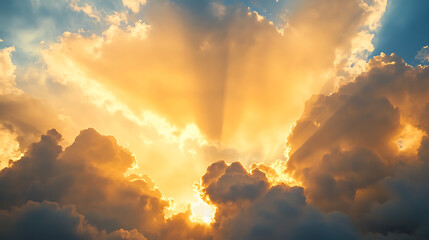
[247, 208]
[47, 220]
[88, 175]
[364, 150]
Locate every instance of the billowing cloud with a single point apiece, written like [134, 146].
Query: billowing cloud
[54, 222]
[233, 183]
[362, 150]
[248, 208]
[89, 175]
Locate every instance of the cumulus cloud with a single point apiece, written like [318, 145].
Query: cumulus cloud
[363, 150]
[89, 175]
[47, 220]
[249, 208]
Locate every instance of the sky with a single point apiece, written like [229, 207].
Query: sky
[214, 119]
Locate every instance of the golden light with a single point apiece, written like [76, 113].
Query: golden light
[199, 210]
[9, 147]
[409, 139]
[276, 173]
[202, 212]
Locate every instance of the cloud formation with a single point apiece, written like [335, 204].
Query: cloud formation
[249, 208]
[89, 175]
[47, 220]
[362, 150]
[423, 54]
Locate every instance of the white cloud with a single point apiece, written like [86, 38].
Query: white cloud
[423, 54]
[86, 8]
[7, 72]
[134, 5]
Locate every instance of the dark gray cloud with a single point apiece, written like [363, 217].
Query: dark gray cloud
[47, 220]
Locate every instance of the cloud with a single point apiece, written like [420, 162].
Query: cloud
[63, 180]
[233, 183]
[248, 208]
[26, 117]
[47, 220]
[423, 54]
[86, 8]
[7, 70]
[362, 150]
[89, 174]
[134, 5]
